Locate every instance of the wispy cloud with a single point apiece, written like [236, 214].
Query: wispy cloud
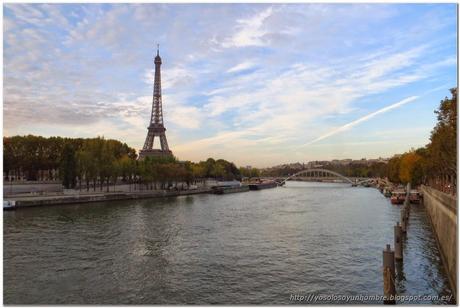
[249, 31]
[362, 119]
[241, 67]
[247, 82]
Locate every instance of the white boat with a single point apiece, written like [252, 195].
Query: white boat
[9, 204]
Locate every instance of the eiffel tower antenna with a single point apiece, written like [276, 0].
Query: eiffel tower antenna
[156, 127]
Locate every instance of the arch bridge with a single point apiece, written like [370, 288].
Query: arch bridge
[317, 173]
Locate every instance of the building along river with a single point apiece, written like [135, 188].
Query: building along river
[257, 247]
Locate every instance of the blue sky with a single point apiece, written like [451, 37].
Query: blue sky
[257, 84]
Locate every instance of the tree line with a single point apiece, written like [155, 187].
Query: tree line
[436, 163]
[96, 163]
[36, 157]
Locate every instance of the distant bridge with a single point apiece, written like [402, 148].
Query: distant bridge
[316, 173]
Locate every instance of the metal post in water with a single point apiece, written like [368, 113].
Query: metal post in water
[403, 221]
[398, 242]
[389, 289]
[406, 212]
[407, 199]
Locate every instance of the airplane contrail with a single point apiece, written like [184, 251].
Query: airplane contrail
[363, 119]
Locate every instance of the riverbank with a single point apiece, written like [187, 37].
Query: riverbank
[43, 200]
[442, 211]
[71, 196]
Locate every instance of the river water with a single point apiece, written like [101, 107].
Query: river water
[257, 247]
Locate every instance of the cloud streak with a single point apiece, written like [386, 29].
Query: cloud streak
[245, 82]
[363, 119]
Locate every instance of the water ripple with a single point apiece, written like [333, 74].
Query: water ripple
[249, 248]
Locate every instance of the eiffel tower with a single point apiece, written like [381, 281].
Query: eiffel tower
[156, 127]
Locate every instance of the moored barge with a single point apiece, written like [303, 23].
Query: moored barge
[414, 196]
[398, 197]
[262, 185]
[9, 204]
[229, 189]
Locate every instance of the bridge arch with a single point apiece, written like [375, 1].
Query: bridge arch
[319, 170]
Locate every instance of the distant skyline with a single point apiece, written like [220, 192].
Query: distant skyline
[256, 84]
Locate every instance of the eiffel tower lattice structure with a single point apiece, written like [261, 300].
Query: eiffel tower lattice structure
[156, 127]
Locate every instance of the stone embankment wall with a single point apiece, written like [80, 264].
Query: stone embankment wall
[442, 210]
[28, 201]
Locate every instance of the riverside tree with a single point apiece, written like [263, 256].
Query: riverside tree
[436, 163]
[68, 166]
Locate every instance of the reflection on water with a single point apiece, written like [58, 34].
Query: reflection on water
[247, 248]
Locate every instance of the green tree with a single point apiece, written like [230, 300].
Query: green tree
[441, 163]
[393, 169]
[68, 168]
